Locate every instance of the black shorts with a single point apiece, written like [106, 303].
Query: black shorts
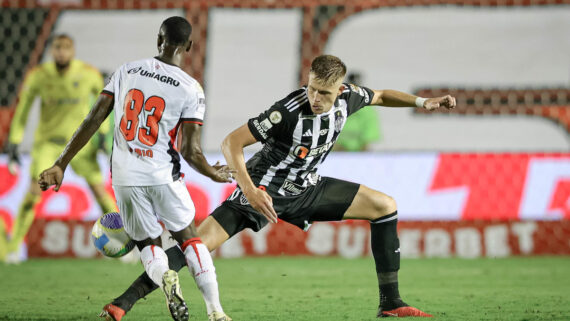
[328, 200]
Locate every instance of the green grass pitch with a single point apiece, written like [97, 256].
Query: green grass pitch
[299, 288]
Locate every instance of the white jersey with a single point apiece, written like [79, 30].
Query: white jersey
[151, 98]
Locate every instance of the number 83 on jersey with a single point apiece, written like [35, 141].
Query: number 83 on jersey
[131, 126]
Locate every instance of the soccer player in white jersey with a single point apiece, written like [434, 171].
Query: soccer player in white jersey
[154, 100]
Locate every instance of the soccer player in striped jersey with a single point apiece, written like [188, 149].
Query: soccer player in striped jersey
[66, 87]
[281, 180]
[153, 99]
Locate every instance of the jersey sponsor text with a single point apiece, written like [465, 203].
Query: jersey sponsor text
[154, 75]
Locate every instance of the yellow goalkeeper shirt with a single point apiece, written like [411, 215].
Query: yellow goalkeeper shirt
[65, 101]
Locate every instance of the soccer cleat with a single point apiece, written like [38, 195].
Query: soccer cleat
[398, 308]
[404, 312]
[218, 316]
[112, 313]
[13, 258]
[174, 300]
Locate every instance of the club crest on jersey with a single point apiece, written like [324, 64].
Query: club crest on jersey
[237, 192]
[338, 121]
[243, 200]
[275, 117]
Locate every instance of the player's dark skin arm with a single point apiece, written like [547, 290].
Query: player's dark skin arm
[191, 151]
[394, 98]
[100, 111]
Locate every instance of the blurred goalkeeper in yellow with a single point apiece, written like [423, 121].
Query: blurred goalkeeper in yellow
[66, 87]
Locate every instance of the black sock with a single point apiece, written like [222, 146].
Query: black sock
[386, 252]
[143, 285]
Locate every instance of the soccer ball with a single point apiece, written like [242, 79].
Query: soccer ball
[109, 236]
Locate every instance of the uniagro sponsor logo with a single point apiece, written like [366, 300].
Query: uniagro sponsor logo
[154, 75]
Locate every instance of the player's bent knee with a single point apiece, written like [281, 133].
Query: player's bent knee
[383, 205]
[370, 204]
[390, 205]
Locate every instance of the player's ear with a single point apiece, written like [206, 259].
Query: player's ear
[341, 89]
[159, 40]
[189, 46]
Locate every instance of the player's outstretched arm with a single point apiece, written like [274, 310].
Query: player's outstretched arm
[394, 98]
[191, 151]
[18, 124]
[54, 175]
[232, 147]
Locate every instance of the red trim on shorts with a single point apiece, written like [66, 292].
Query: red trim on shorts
[152, 249]
[193, 242]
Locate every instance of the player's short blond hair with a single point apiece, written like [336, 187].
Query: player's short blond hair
[328, 69]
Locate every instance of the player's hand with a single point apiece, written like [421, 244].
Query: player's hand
[447, 101]
[223, 173]
[263, 203]
[51, 176]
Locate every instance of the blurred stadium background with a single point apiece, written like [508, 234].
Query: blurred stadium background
[490, 179]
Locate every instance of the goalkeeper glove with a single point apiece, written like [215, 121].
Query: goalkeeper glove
[13, 158]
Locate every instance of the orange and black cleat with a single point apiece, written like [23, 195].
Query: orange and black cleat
[112, 313]
[401, 312]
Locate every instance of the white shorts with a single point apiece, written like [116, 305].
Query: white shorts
[142, 207]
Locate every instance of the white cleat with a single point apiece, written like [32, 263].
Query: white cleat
[174, 300]
[13, 258]
[218, 316]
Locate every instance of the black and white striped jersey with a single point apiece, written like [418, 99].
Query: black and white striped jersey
[296, 141]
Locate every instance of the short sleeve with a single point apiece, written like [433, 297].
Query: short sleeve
[109, 88]
[357, 97]
[269, 123]
[195, 107]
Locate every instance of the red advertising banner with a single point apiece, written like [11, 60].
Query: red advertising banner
[426, 186]
[350, 239]
[449, 204]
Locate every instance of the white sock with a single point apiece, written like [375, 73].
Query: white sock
[155, 263]
[202, 268]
